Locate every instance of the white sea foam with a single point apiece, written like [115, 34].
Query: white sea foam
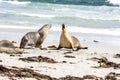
[111, 14]
[90, 12]
[115, 2]
[100, 17]
[38, 15]
[18, 27]
[112, 32]
[15, 2]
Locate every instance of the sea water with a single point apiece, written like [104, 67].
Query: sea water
[83, 16]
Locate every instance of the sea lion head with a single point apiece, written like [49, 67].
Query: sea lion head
[45, 27]
[63, 26]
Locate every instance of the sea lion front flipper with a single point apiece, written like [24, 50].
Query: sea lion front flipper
[72, 47]
[38, 44]
[23, 42]
[59, 47]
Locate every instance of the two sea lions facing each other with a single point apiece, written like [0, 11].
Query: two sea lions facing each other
[67, 41]
[35, 39]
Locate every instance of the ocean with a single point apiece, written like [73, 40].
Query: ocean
[84, 16]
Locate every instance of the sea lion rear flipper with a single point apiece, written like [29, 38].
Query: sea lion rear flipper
[59, 47]
[85, 47]
[81, 48]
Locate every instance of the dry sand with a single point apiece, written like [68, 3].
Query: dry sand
[77, 63]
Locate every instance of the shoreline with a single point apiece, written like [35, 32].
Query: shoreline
[55, 28]
[84, 38]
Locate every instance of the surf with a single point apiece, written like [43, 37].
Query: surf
[15, 2]
[83, 18]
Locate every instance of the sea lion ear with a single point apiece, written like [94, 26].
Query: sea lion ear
[63, 26]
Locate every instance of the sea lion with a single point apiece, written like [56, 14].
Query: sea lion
[9, 47]
[6, 43]
[67, 41]
[35, 39]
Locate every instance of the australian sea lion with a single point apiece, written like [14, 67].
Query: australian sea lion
[6, 43]
[35, 39]
[9, 47]
[67, 41]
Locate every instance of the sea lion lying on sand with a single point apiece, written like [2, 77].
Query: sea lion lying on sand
[35, 39]
[67, 41]
[9, 47]
[6, 43]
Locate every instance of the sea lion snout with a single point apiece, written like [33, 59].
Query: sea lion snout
[63, 26]
[49, 25]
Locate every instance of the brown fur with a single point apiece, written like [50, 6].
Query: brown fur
[8, 47]
[35, 39]
[67, 41]
[6, 43]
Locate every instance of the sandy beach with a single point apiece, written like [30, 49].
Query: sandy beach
[95, 23]
[64, 62]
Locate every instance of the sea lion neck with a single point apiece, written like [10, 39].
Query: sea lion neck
[64, 31]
